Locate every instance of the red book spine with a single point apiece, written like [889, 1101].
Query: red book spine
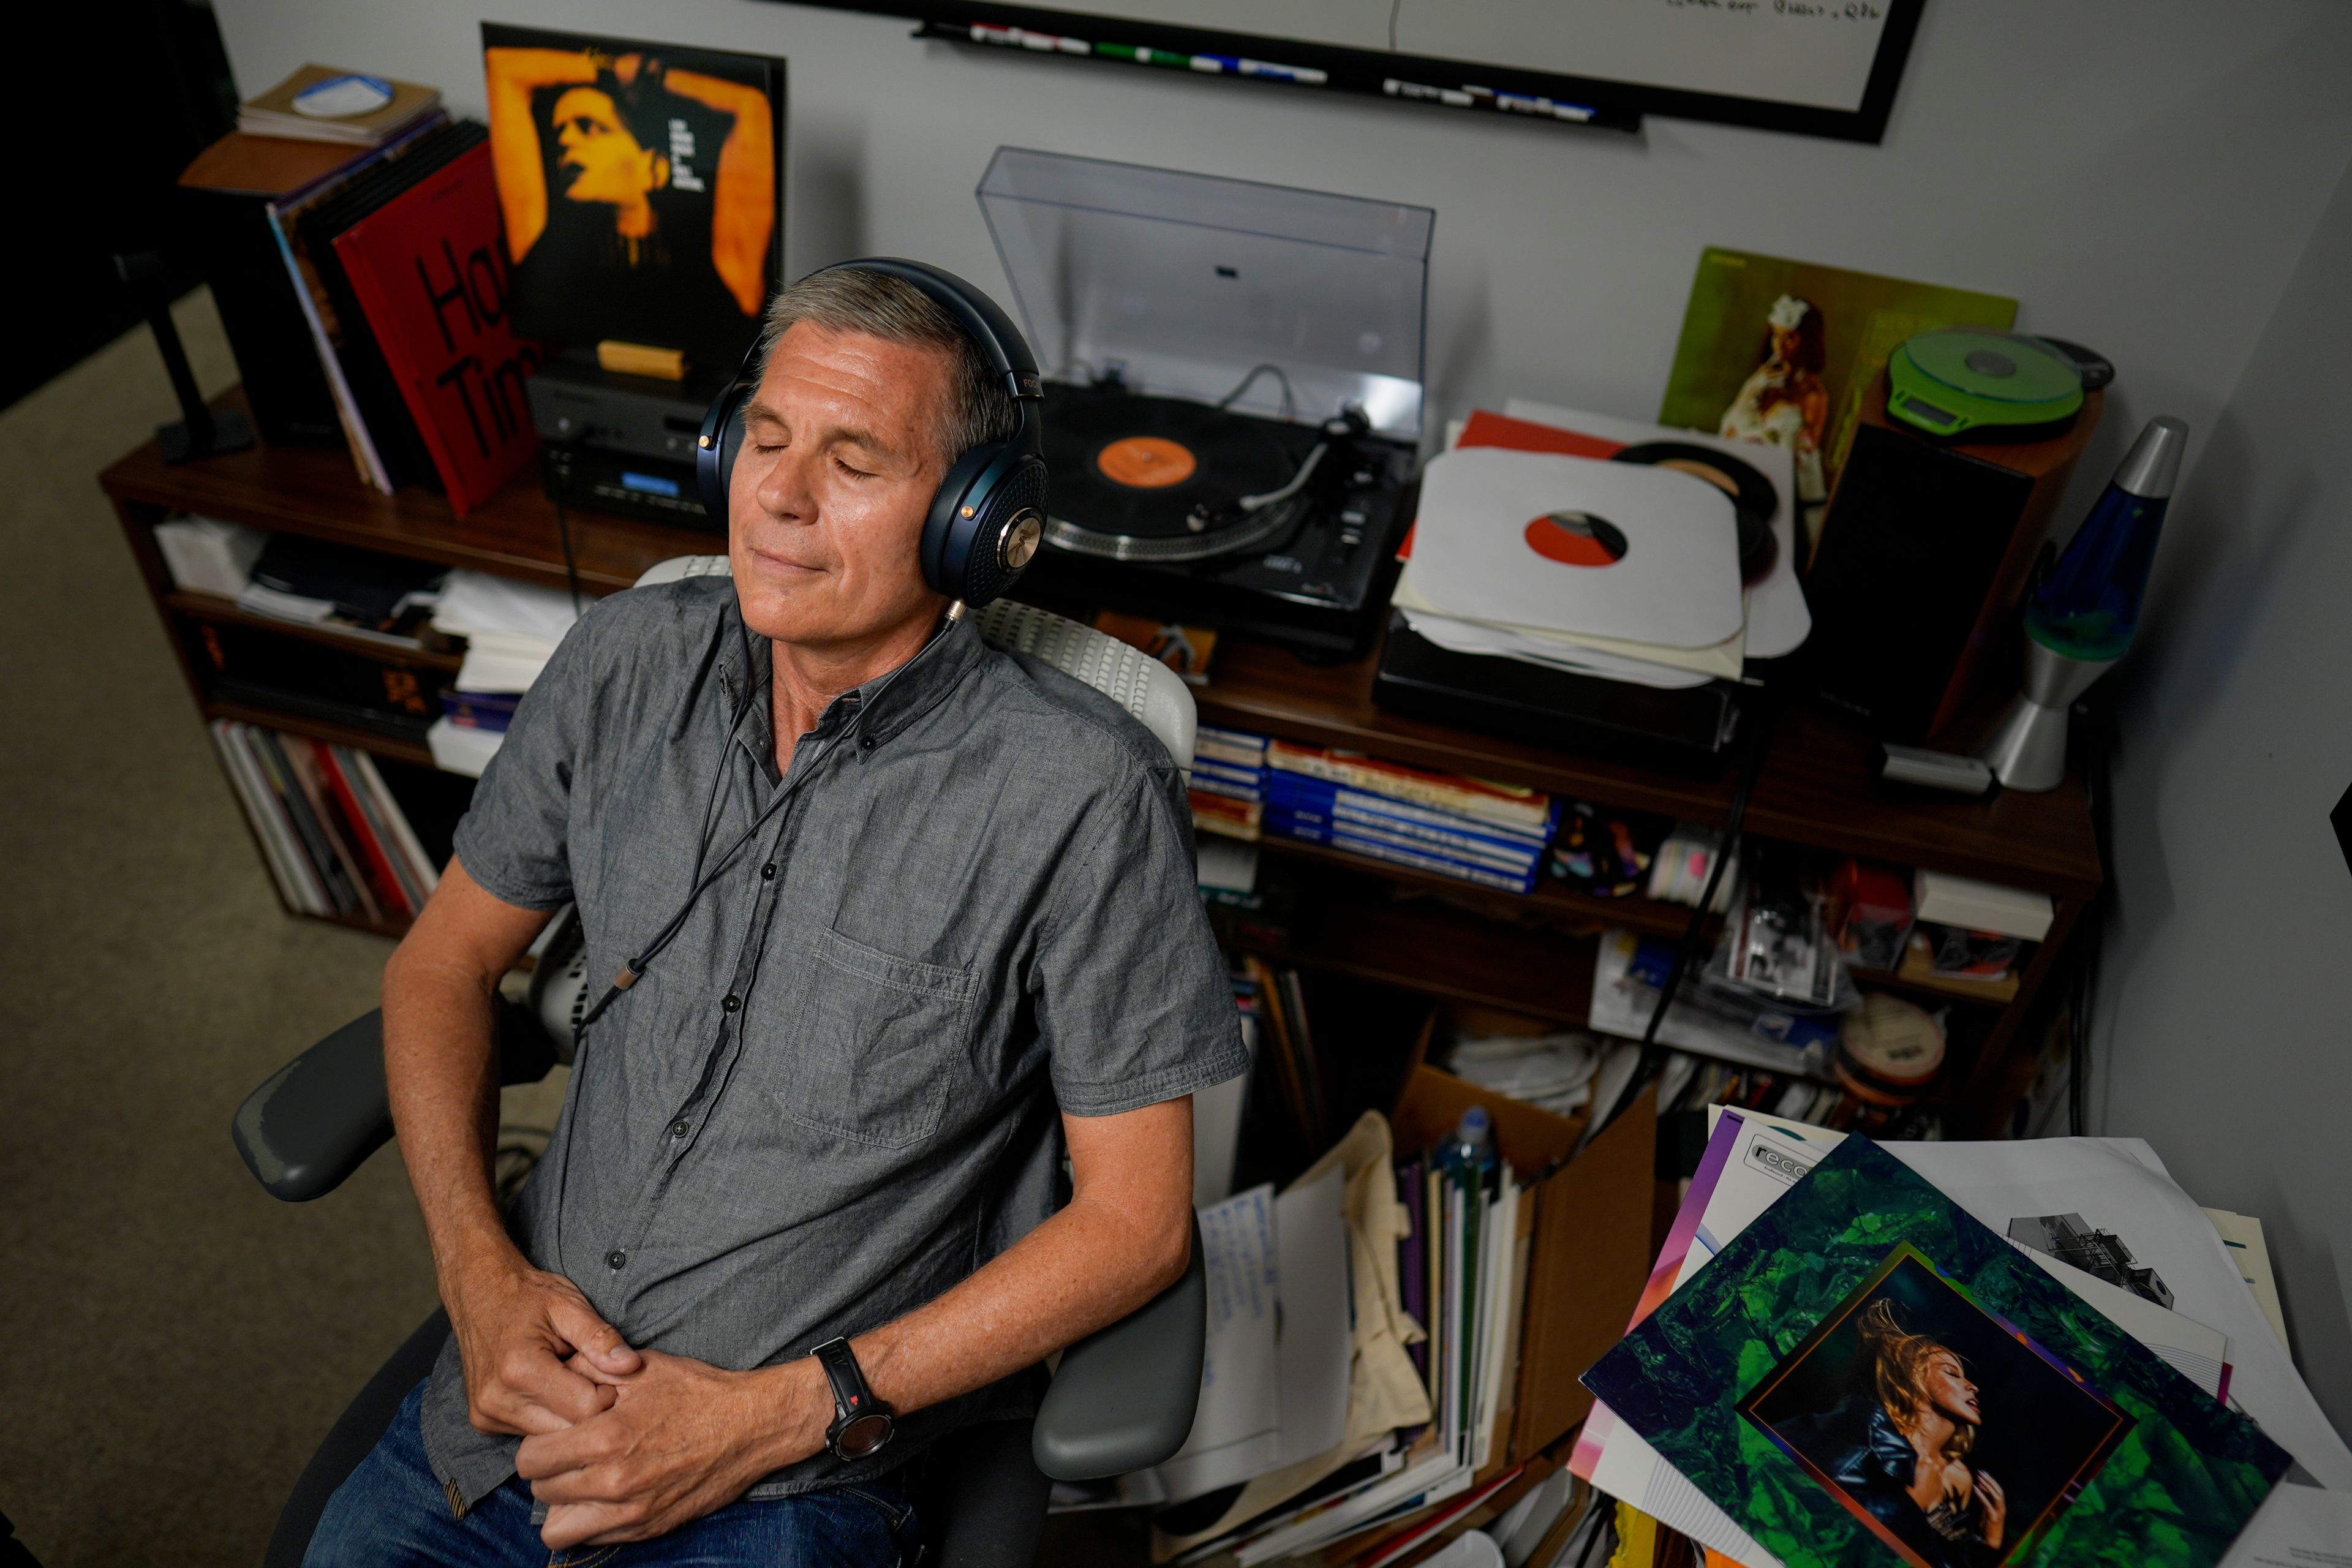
[386, 882]
[429, 269]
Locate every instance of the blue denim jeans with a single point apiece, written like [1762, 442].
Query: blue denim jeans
[392, 1511]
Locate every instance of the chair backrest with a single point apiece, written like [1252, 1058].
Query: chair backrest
[1148, 690]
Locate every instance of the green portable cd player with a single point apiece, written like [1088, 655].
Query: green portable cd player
[1958, 381]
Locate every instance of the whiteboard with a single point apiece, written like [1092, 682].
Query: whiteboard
[1820, 68]
[1817, 54]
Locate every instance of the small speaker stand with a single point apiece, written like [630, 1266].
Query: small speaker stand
[200, 432]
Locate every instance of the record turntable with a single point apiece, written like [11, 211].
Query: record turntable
[1233, 398]
[1187, 512]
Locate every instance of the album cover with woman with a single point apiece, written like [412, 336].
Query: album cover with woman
[641, 188]
[1867, 1375]
[1782, 353]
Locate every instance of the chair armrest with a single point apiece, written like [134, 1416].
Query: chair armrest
[1125, 1397]
[317, 1118]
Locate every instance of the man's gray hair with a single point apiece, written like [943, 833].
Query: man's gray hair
[878, 305]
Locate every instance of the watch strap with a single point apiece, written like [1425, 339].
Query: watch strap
[849, 1392]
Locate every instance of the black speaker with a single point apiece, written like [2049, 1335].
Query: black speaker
[1924, 552]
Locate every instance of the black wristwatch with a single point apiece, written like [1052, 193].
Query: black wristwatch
[861, 1423]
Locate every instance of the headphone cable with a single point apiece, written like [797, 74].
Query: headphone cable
[635, 968]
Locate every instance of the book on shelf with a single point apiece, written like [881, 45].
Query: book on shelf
[1442, 832]
[1272, 998]
[1511, 805]
[386, 443]
[336, 839]
[296, 299]
[1373, 845]
[1228, 817]
[428, 269]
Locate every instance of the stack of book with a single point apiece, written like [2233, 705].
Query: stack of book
[336, 840]
[1446, 824]
[510, 630]
[1228, 785]
[1502, 1283]
[397, 262]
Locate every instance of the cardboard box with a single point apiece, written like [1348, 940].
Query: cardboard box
[1586, 1239]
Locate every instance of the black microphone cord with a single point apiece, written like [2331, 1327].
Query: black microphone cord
[635, 968]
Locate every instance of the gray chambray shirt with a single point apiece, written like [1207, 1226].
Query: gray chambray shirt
[835, 1094]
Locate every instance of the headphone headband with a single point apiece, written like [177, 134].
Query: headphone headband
[982, 320]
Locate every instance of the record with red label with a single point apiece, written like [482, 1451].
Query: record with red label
[1158, 479]
[1589, 547]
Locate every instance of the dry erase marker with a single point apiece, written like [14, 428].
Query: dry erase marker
[1022, 38]
[1306, 74]
[1144, 55]
[1396, 88]
[1217, 65]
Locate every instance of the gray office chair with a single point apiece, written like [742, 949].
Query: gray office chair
[1122, 1399]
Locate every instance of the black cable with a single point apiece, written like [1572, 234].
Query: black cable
[1600, 1528]
[635, 967]
[571, 568]
[1653, 1055]
[1395, 7]
[1289, 403]
[2093, 736]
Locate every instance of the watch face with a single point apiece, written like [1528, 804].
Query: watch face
[863, 1435]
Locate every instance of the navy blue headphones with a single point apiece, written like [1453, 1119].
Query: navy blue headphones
[989, 516]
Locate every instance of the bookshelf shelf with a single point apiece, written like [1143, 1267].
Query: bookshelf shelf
[1815, 789]
[1529, 953]
[1552, 900]
[1443, 954]
[351, 735]
[225, 611]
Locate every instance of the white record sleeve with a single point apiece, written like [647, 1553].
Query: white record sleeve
[1502, 536]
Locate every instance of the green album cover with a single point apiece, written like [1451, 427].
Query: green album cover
[1867, 1375]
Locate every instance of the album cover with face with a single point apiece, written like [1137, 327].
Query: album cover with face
[641, 188]
[1866, 1375]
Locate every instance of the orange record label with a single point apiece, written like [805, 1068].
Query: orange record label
[1576, 539]
[1146, 462]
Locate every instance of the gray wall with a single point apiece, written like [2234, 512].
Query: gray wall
[2142, 174]
[2226, 1030]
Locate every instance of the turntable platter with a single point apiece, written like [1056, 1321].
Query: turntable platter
[1159, 479]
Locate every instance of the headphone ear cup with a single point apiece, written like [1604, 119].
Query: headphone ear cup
[987, 523]
[715, 451]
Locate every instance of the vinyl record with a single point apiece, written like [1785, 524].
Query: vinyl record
[1138, 477]
[1753, 500]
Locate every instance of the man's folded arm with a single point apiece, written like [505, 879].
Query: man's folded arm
[514, 1324]
[1124, 1237]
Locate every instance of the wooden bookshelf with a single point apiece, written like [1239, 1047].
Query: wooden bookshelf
[1529, 953]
